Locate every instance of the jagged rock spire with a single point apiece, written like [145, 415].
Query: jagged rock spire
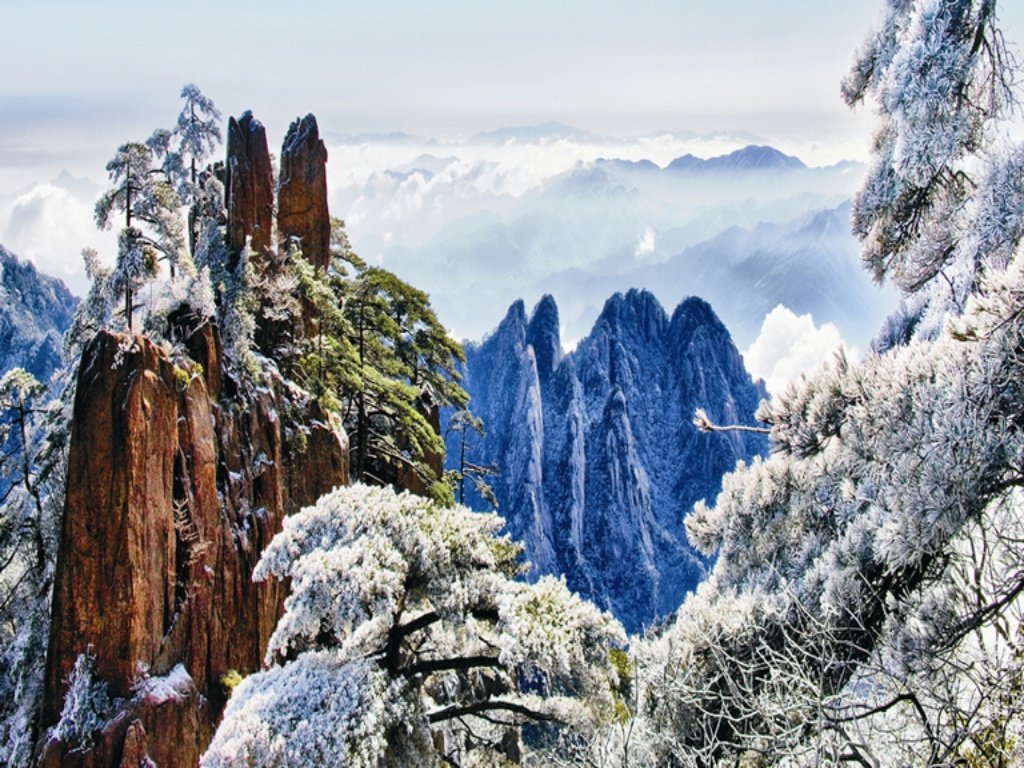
[302, 197]
[249, 186]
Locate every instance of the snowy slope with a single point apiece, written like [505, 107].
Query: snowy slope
[599, 459]
[35, 310]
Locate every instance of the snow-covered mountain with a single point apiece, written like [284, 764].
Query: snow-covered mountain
[599, 459]
[35, 310]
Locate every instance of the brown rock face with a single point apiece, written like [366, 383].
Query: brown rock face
[171, 498]
[302, 196]
[249, 186]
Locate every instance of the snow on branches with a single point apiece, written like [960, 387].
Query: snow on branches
[416, 609]
[943, 80]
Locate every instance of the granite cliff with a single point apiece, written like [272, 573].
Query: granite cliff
[599, 459]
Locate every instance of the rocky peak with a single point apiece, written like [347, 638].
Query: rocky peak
[693, 315]
[636, 313]
[544, 334]
[302, 195]
[171, 497]
[249, 186]
[35, 310]
[600, 462]
[514, 322]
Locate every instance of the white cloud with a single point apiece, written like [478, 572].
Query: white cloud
[788, 346]
[645, 244]
[471, 177]
[415, 188]
[49, 226]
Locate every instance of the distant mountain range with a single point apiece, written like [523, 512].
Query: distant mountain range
[810, 264]
[599, 458]
[751, 158]
[748, 230]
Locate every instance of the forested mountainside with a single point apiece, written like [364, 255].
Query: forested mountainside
[598, 459]
[35, 311]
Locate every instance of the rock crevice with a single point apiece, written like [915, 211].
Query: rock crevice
[171, 497]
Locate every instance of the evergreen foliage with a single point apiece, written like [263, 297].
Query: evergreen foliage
[374, 349]
[409, 640]
[33, 436]
[465, 424]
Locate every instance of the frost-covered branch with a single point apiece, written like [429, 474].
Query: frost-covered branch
[703, 422]
[481, 707]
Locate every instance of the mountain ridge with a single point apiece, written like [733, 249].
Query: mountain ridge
[35, 311]
[599, 458]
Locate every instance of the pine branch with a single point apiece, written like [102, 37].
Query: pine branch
[450, 713]
[443, 665]
[703, 422]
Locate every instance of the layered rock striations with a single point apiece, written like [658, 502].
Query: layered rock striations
[180, 471]
[599, 458]
[172, 494]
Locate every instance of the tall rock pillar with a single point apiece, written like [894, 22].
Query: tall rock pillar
[302, 195]
[249, 187]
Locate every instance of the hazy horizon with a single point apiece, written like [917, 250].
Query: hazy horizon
[91, 78]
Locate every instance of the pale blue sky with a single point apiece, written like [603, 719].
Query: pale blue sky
[81, 77]
[76, 69]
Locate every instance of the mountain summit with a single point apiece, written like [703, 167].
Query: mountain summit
[751, 158]
[599, 459]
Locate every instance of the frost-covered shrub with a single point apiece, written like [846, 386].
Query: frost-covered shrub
[416, 611]
[317, 710]
[86, 704]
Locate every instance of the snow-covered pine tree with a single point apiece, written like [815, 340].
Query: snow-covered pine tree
[865, 606]
[33, 431]
[152, 224]
[932, 213]
[409, 640]
[465, 425]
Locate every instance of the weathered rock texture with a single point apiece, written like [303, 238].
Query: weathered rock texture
[171, 497]
[302, 195]
[249, 186]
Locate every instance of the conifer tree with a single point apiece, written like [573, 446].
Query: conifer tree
[378, 350]
[409, 640]
[152, 224]
[183, 153]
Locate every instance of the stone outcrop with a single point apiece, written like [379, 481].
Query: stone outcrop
[249, 186]
[172, 494]
[302, 196]
[179, 474]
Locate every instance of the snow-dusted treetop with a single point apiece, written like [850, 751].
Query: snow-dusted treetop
[415, 610]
